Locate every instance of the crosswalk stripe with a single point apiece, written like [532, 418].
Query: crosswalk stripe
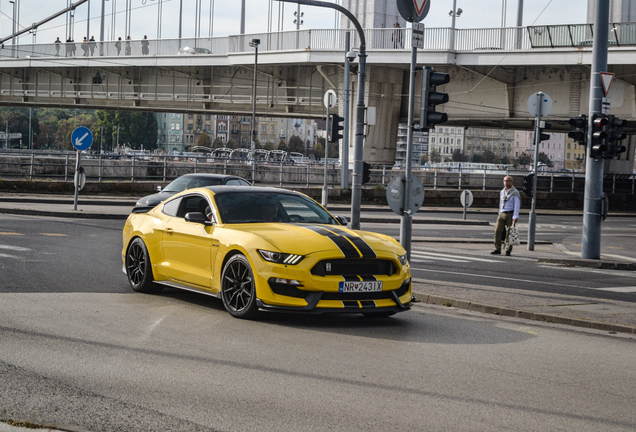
[619, 257]
[436, 255]
[441, 259]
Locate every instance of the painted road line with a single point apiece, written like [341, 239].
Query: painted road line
[54, 234]
[497, 277]
[14, 248]
[619, 257]
[435, 255]
[8, 256]
[619, 289]
[615, 273]
[11, 234]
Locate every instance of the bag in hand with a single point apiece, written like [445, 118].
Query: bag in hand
[513, 236]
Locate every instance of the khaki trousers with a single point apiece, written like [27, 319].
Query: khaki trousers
[503, 220]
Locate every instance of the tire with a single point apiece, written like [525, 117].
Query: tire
[139, 269]
[237, 288]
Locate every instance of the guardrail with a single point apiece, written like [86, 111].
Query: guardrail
[508, 38]
[162, 169]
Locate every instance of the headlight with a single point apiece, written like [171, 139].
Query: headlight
[403, 259]
[281, 258]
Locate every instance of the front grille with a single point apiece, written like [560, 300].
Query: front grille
[350, 267]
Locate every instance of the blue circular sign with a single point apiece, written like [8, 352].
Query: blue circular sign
[82, 138]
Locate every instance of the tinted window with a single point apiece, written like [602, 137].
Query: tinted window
[193, 203]
[233, 182]
[171, 207]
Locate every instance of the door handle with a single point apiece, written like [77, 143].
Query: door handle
[169, 231]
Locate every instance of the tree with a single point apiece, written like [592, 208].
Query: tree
[524, 159]
[230, 144]
[545, 159]
[282, 145]
[459, 156]
[424, 159]
[505, 160]
[295, 144]
[205, 140]
[218, 143]
[136, 129]
[477, 158]
[435, 157]
[319, 151]
[490, 157]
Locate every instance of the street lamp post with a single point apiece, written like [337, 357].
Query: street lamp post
[455, 13]
[254, 43]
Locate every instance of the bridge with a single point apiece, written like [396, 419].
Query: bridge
[493, 73]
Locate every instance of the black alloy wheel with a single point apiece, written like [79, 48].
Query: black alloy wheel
[139, 269]
[237, 288]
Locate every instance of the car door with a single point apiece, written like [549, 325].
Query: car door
[189, 249]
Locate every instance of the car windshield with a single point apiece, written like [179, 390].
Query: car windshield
[183, 183]
[259, 207]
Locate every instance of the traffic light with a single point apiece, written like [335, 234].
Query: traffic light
[614, 136]
[542, 126]
[431, 97]
[335, 128]
[599, 136]
[366, 173]
[579, 134]
[528, 184]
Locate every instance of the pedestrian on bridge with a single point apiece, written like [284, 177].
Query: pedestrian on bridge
[118, 45]
[92, 44]
[85, 46]
[70, 47]
[396, 36]
[509, 205]
[57, 43]
[144, 46]
[128, 41]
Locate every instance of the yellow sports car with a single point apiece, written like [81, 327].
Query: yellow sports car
[264, 249]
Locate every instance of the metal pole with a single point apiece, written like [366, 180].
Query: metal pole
[406, 221]
[452, 35]
[88, 21]
[30, 130]
[242, 28]
[591, 244]
[325, 188]
[519, 24]
[537, 134]
[181, 20]
[344, 176]
[253, 144]
[76, 184]
[356, 193]
[101, 30]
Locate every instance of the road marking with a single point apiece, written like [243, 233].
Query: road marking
[620, 257]
[619, 289]
[614, 247]
[14, 248]
[11, 233]
[422, 261]
[54, 234]
[8, 256]
[436, 255]
[498, 277]
[442, 259]
[615, 273]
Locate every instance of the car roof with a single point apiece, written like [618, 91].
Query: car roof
[249, 189]
[205, 175]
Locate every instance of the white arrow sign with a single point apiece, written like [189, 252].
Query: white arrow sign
[78, 141]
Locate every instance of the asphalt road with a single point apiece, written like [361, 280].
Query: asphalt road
[79, 348]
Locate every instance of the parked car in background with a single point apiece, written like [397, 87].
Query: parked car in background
[194, 51]
[189, 181]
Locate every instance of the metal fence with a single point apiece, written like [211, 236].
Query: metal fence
[509, 38]
[61, 167]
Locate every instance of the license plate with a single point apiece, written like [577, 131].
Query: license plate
[369, 286]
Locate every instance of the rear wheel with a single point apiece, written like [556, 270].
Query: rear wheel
[139, 269]
[237, 288]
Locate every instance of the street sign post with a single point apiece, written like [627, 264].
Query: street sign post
[418, 35]
[81, 138]
[395, 194]
[466, 199]
[607, 78]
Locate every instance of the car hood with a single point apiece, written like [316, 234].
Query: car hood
[154, 199]
[304, 239]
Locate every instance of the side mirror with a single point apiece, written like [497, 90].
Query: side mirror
[159, 188]
[197, 217]
[342, 220]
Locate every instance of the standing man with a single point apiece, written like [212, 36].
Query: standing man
[57, 43]
[509, 205]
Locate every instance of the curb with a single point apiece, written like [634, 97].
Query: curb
[434, 299]
[590, 263]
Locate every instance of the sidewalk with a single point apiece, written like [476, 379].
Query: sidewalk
[607, 315]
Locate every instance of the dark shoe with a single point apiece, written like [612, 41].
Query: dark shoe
[496, 252]
[508, 253]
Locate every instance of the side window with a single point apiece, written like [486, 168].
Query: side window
[192, 203]
[233, 182]
[244, 183]
[171, 207]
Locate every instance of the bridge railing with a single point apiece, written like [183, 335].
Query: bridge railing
[510, 38]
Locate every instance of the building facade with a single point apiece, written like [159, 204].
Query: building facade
[170, 132]
[498, 141]
[420, 151]
[554, 147]
[574, 155]
[445, 140]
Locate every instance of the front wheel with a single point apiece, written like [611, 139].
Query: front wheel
[139, 269]
[237, 288]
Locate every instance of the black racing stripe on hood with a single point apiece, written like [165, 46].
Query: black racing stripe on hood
[362, 246]
[343, 244]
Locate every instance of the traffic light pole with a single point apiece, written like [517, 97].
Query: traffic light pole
[532, 219]
[406, 221]
[592, 207]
